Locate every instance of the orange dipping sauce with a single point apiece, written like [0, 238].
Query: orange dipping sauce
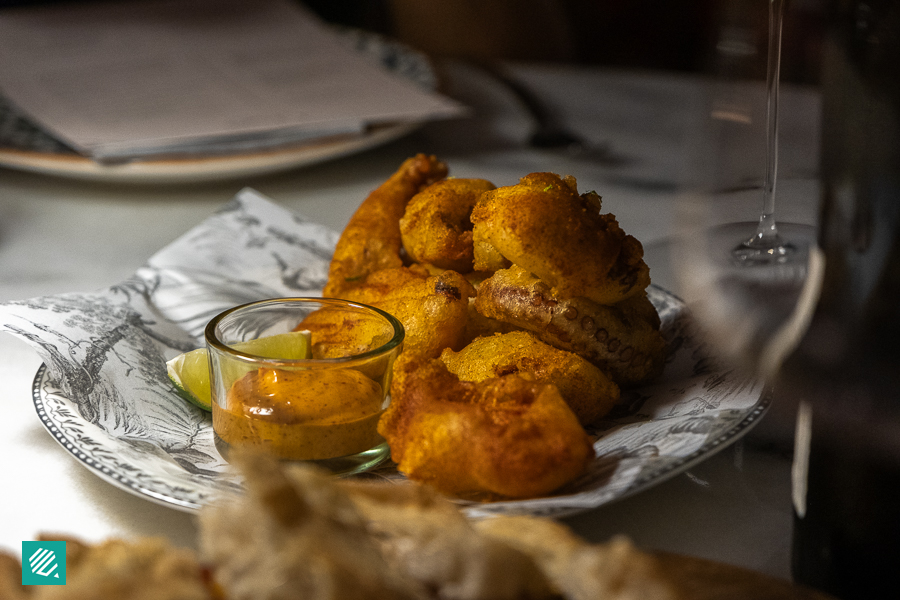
[302, 414]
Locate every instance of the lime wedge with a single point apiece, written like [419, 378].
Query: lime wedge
[189, 372]
[294, 345]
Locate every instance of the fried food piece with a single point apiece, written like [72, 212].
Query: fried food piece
[297, 537]
[371, 240]
[436, 228]
[544, 226]
[336, 332]
[507, 436]
[433, 309]
[623, 340]
[585, 388]
[579, 570]
[144, 569]
[477, 325]
[425, 537]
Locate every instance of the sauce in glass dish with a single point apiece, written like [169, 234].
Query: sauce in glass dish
[302, 414]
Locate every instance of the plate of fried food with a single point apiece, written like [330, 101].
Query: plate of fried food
[542, 373]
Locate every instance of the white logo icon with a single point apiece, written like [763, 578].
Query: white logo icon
[43, 562]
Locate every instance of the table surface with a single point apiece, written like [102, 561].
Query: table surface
[59, 235]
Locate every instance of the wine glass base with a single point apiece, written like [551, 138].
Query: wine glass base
[765, 252]
[789, 248]
[747, 298]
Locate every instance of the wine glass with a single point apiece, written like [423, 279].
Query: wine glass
[767, 245]
[841, 379]
[739, 41]
[742, 272]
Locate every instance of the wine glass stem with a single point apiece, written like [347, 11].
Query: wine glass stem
[767, 227]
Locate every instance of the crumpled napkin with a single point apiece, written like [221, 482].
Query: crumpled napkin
[108, 398]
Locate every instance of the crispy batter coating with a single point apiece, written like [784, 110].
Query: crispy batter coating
[623, 340]
[335, 332]
[371, 241]
[436, 228]
[544, 226]
[433, 309]
[533, 247]
[585, 388]
[477, 325]
[508, 436]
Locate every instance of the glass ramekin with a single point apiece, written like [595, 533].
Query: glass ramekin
[324, 409]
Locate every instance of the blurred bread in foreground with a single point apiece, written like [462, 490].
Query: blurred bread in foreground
[143, 569]
[301, 534]
[298, 533]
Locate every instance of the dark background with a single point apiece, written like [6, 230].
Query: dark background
[653, 34]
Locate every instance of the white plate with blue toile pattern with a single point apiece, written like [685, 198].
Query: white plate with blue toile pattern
[104, 395]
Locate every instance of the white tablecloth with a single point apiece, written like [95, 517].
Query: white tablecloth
[59, 235]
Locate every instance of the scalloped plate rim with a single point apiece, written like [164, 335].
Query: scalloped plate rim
[742, 425]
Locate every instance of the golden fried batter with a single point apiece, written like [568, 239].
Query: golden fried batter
[507, 436]
[433, 309]
[623, 340]
[544, 226]
[477, 325]
[371, 240]
[436, 228]
[548, 262]
[588, 392]
[336, 332]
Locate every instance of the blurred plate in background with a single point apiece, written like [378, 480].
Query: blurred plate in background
[24, 146]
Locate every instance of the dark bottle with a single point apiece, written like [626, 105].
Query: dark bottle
[846, 370]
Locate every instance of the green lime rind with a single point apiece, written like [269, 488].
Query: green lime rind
[189, 372]
[190, 397]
